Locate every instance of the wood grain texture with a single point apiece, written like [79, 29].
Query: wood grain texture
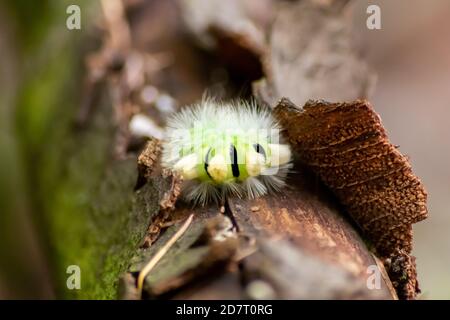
[305, 217]
[294, 245]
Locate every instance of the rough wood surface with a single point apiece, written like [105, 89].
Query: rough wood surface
[156, 56]
[298, 235]
[298, 244]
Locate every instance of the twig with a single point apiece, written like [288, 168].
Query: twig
[160, 254]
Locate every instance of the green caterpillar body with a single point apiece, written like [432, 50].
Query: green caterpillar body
[224, 149]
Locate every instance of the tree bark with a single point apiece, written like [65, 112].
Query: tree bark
[112, 206]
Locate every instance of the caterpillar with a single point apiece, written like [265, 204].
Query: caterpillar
[224, 149]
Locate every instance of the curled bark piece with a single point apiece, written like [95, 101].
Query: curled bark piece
[346, 145]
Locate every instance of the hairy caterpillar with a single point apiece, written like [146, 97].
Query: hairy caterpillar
[225, 149]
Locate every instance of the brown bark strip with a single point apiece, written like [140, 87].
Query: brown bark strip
[368, 174]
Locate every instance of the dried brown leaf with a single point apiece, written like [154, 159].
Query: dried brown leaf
[346, 145]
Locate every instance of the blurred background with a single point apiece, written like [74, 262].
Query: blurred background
[42, 72]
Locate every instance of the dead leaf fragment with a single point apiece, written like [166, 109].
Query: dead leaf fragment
[346, 145]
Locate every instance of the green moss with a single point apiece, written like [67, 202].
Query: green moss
[94, 222]
[82, 197]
